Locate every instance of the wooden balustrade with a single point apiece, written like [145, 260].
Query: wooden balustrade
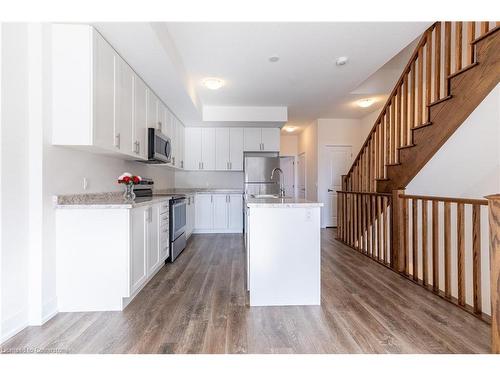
[364, 221]
[424, 81]
[452, 228]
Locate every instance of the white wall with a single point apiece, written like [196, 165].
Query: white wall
[37, 171]
[367, 123]
[289, 145]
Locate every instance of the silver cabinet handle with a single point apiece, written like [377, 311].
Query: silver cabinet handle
[159, 125]
[138, 147]
[182, 163]
[117, 140]
[229, 198]
[173, 160]
[211, 199]
[202, 165]
[230, 165]
[199, 165]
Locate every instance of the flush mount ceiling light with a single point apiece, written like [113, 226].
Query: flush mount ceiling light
[213, 83]
[342, 60]
[274, 59]
[290, 129]
[364, 103]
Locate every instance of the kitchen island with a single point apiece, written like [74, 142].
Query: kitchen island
[283, 251]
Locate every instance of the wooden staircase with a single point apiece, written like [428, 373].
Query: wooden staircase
[454, 67]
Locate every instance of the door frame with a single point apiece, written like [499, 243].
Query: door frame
[325, 148]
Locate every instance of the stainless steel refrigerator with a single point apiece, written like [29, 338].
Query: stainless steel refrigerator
[257, 168]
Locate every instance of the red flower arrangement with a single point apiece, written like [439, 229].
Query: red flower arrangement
[129, 179]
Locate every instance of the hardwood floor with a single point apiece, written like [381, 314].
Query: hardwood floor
[198, 305]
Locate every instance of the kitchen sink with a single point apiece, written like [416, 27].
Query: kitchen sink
[258, 196]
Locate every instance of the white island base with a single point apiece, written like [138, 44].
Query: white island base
[283, 252]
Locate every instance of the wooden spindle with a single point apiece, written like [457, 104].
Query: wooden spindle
[425, 262]
[485, 26]
[471, 35]
[412, 98]
[461, 253]
[370, 224]
[437, 62]
[435, 246]
[447, 249]
[458, 46]
[379, 226]
[420, 85]
[404, 235]
[428, 74]
[387, 141]
[374, 231]
[476, 257]
[447, 56]
[360, 222]
[414, 234]
[386, 237]
[355, 219]
[392, 152]
[398, 125]
[405, 111]
[382, 148]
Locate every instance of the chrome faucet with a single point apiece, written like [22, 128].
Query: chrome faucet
[282, 189]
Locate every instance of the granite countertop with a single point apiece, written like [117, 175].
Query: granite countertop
[281, 203]
[115, 199]
[106, 200]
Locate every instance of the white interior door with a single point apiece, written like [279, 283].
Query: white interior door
[301, 176]
[287, 165]
[339, 160]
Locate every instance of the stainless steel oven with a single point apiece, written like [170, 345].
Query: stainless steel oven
[159, 147]
[177, 225]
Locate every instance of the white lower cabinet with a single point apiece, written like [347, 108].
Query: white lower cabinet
[106, 256]
[218, 213]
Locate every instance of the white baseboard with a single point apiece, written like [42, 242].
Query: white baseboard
[13, 325]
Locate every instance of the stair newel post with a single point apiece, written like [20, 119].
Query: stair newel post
[397, 256]
[494, 224]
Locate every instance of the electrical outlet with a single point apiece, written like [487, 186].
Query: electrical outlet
[85, 183]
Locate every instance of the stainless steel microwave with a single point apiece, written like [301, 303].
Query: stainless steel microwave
[159, 147]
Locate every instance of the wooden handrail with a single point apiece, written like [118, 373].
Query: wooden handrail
[481, 202]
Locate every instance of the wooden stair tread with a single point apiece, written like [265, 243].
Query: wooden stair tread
[448, 97]
[463, 70]
[406, 146]
[425, 124]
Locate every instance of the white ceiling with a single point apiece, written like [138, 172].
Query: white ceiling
[173, 58]
[306, 78]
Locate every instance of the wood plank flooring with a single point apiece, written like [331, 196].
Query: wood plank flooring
[198, 305]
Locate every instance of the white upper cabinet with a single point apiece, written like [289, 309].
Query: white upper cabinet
[124, 107]
[262, 139]
[98, 101]
[270, 139]
[174, 142]
[104, 92]
[236, 140]
[140, 135]
[253, 139]
[208, 149]
[193, 149]
[222, 147]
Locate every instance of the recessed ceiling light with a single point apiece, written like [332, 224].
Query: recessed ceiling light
[274, 58]
[364, 103]
[290, 129]
[213, 83]
[342, 60]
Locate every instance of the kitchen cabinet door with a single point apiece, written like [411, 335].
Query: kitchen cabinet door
[270, 139]
[153, 103]
[161, 117]
[182, 132]
[203, 212]
[138, 253]
[252, 139]
[140, 134]
[208, 149]
[124, 110]
[222, 147]
[236, 149]
[153, 238]
[192, 147]
[104, 93]
[175, 142]
[235, 212]
[220, 204]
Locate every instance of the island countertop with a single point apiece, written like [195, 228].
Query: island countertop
[281, 203]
